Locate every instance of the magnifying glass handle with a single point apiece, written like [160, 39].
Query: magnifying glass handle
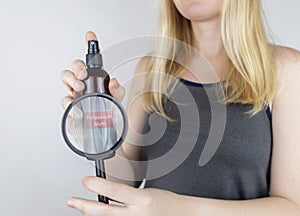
[100, 172]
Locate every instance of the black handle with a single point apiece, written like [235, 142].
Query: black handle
[100, 172]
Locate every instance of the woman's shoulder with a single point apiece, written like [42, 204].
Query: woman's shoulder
[287, 61]
[142, 64]
[285, 56]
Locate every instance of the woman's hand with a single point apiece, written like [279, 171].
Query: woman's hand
[73, 80]
[137, 202]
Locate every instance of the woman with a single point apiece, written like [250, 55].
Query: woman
[257, 78]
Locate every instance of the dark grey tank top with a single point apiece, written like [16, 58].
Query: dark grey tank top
[210, 150]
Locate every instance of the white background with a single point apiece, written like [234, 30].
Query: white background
[39, 39]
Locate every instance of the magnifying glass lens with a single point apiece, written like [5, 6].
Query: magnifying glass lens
[94, 125]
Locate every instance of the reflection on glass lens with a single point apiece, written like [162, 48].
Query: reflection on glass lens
[94, 125]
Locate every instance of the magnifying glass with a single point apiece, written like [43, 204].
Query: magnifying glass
[95, 125]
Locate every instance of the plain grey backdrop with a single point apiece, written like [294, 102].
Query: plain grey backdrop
[38, 40]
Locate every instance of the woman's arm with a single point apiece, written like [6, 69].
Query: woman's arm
[124, 167]
[271, 206]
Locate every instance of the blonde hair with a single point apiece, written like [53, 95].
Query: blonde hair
[251, 79]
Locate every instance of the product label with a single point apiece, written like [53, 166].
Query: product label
[99, 119]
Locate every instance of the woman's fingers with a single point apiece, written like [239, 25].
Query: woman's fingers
[66, 101]
[72, 83]
[79, 69]
[94, 208]
[90, 36]
[116, 90]
[75, 112]
[73, 79]
[113, 190]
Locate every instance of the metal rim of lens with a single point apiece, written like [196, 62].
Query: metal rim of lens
[107, 153]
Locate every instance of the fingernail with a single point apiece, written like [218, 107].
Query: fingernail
[77, 85]
[70, 203]
[84, 180]
[81, 73]
[116, 85]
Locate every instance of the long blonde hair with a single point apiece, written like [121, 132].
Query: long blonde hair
[252, 78]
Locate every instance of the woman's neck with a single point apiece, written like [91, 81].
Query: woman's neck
[208, 41]
[208, 38]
